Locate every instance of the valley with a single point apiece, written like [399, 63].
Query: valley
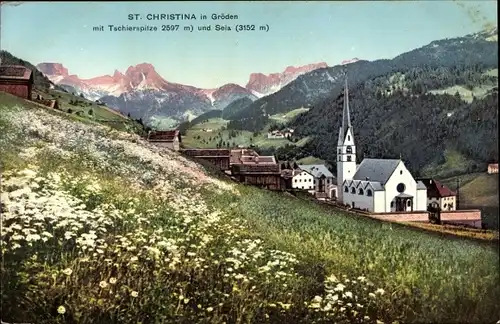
[214, 132]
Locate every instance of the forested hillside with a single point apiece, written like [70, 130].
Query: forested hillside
[310, 89]
[396, 115]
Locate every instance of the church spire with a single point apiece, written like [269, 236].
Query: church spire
[346, 115]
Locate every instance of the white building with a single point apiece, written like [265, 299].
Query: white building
[439, 195]
[303, 180]
[377, 185]
[277, 134]
[324, 180]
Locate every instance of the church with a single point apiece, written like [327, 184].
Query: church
[376, 185]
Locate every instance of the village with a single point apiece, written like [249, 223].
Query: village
[380, 188]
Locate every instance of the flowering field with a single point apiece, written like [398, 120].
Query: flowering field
[99, 226]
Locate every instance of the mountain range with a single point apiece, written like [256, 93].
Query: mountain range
[143, 93]
[311, 88]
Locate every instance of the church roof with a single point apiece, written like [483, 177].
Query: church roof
[421, 185]
[364, 184]
[376, 170]
[317, 170]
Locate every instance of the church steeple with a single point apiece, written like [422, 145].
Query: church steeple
[346, 113]
[346, 147]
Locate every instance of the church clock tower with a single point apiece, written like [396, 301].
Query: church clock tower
[346, 148]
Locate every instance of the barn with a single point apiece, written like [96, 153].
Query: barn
[266, 176]
[218, 157]
[170, 139]
[16, 80]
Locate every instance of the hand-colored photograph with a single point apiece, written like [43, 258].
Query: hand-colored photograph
[246, 162]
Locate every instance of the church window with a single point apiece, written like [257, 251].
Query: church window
[349, 158]
[401, 172]
[353, 190]
[360, 191]
[340, 158]
[401, 187]
[348, 137]
[409, 203]
[349, 150]
[346, 189]
[369, 192]
[327, 180]
[340, 151]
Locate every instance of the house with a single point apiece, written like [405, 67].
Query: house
[16, 80]
[323, 178]
[169, 139]
[376, 185]
[440, 195]
[492, 168]
[218, 157]
[275, 134]
[303, 179]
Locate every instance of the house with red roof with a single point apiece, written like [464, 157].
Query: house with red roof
[440, 195]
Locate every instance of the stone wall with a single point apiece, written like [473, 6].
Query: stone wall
[464, 217]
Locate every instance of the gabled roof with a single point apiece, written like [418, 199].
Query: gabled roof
[15, 72]
[237, 154]
[376, 170]
[437, 189]
[376, 186]
[168, 136]
[298, 172]
[207, 152]
[421, 185]
[317, 170]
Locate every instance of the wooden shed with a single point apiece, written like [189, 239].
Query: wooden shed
[266, 176]
[170, 139]
[218, 157]
[16, 80]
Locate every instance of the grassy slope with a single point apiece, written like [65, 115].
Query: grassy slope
[479, 190]
[418, 266]
[466, 94]
[101, 114]
[455, 163]
[246, 138]
[427, 278]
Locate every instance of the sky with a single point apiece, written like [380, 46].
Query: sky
[299, 33]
